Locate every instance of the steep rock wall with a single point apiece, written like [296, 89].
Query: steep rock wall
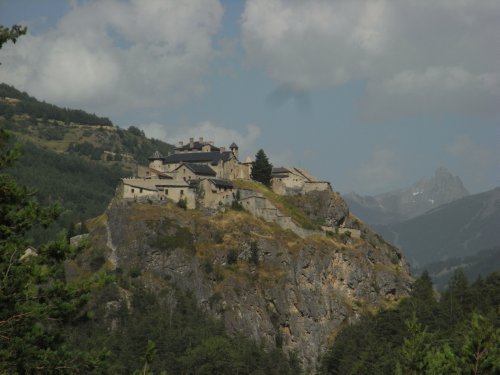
[262, 281]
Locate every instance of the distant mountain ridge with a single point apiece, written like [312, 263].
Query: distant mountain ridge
[457, 229]
[481, 264]
[403, 204]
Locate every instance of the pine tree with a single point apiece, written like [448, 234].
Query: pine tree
[262, 169]
[414, 348]
[11, 34]
[480, 352]
[35, 300]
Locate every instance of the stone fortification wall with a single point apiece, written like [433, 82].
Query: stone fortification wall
[213, 197]
[144, 190]
[354, 233]
[316, 186]
[299, 181]
[260, 206]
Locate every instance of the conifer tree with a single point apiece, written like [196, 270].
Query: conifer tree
[35, 300]
[11, 34]
[262, 169]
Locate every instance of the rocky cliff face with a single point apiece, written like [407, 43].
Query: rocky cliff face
[261, 280]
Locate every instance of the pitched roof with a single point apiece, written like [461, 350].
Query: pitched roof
[233, 145]
[160, 174]
[140, 183]
[153, 183]
[156, 155]
[221, 183]
[278, 170]
[198, 157]
[200, 169]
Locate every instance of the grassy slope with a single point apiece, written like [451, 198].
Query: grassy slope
[280, 201]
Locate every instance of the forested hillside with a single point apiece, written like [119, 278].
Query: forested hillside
[455, 333]
[481, 264]
[52, 322]
[169, 333]
[70, 156]
[82, 187]
[13, 101]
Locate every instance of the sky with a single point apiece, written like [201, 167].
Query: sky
[369, 95]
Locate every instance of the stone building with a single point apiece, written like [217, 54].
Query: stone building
[291, 180]
[159, 189]
[225, 163]
[197, 171]
[201, 173]
[216, 192]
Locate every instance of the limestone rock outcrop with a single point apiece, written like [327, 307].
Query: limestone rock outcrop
[263, 281]
[323, 206]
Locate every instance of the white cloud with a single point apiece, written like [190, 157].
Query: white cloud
[449, 89]
[210, 132]
[478, 163]
[381, 172]
[419, 53]
[118, 55]
[157, 130]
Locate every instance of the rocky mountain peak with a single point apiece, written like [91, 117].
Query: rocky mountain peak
[403, 204]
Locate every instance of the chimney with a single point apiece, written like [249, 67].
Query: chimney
[201, 139]
[191, 142]
[181, 143]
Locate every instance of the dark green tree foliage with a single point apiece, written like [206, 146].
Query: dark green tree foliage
[459, 334]
[254, 253]
[87, 149]
[232, 257]
[262, 169]
[168, 332]
[82, 187]
[136, 131]
[139, 147]
[45, 111]
[35, 301]
[11, 34]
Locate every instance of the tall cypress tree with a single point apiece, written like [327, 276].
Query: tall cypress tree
[262, 169]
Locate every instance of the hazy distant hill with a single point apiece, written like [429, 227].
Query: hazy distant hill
[404, 204]
[481, 264]
[67, 160]
[457, 229]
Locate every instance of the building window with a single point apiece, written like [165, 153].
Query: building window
[140, 190]
[182, 193]
[166, 191]
[132, 190]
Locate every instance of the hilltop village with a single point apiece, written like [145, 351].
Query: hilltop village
[202, 175]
